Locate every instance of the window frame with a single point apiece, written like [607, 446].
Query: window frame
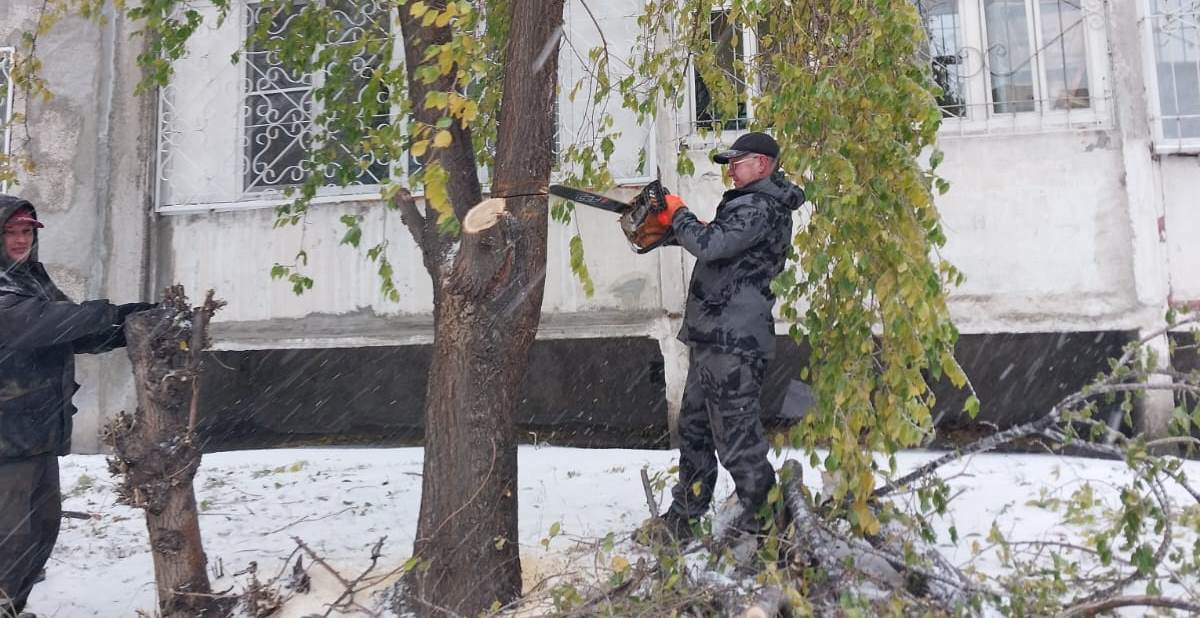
[980, 116]
[277, 193]
[228, 182]
[1160, 142]
[746, 50]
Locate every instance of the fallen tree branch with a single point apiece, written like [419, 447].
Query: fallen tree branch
[650, 502]
[1164, 503]
[588, 607]
[1091, 609]
[321, 561]
[352, 588]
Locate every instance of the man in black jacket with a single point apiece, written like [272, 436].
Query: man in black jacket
[730, 332]
[41, 330]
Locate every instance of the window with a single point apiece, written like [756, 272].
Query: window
[1002, 65]
[235, 136]
[1176, 52]
[1017, 63]
[6, 104]
[280, 108]
[731, 50]
[942, 28]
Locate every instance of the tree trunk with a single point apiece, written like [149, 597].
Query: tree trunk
[155, 451]
[491, 304]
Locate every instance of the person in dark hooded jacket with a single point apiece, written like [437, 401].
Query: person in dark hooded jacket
[730, 332]
[41, 330]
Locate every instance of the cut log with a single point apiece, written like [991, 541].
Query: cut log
[768, 603]
[816, 545]
[155, 452]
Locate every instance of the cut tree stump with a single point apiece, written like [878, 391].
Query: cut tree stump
[155, 450]
[486, 254]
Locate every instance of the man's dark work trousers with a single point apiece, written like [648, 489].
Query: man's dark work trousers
[720, 417]
[30, 511]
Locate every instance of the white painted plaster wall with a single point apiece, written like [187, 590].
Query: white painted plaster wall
[233, 252]
[1181, 200]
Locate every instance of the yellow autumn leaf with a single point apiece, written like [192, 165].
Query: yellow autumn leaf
[418, 9]
[445, 62]
[419, 148]
[442, 19]
[442, 139]
[436, 192]
[457, 104]
[470, 112]
[866, 519]
[620, 564]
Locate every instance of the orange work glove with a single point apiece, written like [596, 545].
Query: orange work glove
[666, 215]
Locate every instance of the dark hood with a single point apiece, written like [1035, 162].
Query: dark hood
[779, 187]
[10, 204]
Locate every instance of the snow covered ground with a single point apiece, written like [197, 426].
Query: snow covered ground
[340, 502]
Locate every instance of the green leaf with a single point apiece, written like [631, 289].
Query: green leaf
[579, 266]
[1143, 559]
[971, 406]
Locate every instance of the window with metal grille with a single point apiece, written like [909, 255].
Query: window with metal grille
[1030, 64]
[1175, 26]
[280, 109]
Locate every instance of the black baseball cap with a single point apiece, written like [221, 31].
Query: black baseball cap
[759, 143]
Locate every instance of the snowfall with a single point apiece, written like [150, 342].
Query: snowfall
[341, 502]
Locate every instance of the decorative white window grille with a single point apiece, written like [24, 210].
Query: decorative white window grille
[1003, 65]
[280, 109]
[1175, 40]
[6, 106]
[1006, 65]
[233, 136]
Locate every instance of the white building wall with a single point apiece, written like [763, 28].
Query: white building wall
[1181, 199]
[1043, 240]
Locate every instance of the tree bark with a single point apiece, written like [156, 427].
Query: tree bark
[155, 451]
[491, 305]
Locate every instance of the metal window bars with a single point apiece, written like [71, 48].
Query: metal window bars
[281, 111]
[1017, 65]
[1175, 39]
[237, 136]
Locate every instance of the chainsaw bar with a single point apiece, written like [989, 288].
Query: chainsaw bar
[588, 198]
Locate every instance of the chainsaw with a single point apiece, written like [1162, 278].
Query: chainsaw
[637, 217]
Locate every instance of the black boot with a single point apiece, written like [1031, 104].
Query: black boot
[666, 529]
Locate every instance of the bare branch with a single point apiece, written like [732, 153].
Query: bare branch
[352, 587]
[410, 215]
[1091, 609]
[650, 502]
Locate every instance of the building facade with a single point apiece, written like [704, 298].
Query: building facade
[1071, 136]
